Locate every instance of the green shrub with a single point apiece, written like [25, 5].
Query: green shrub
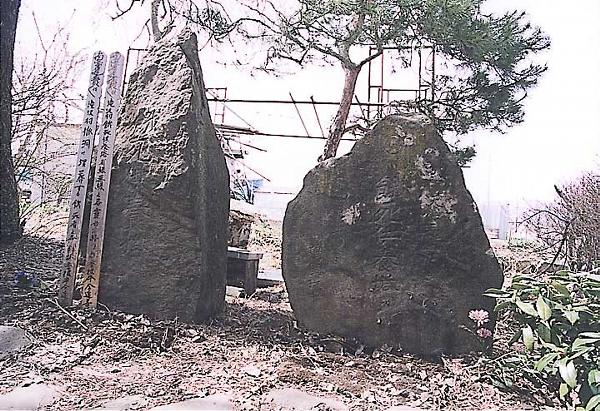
[559, 326]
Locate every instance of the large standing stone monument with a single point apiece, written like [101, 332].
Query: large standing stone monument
[385, 244]
[165, 251]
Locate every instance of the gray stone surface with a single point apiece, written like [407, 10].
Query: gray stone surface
[166, 230]
[216, 402]
[12, 340]
[385, 244]
[288, 399]
[32, 397]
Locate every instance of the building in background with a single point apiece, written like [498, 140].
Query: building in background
[496, 220]
[45, 162]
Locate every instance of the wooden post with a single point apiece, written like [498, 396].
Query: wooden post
[104, 159]
[80, 182]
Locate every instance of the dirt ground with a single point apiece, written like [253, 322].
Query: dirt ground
[252, 348]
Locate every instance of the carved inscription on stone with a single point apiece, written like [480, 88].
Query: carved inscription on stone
[405, 258]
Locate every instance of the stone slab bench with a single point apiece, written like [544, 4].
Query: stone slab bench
[242, 268]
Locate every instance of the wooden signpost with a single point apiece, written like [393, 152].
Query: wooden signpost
[104, 157]
[80, 182]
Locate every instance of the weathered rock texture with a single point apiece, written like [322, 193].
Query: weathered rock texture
[166, 233]
[12, 339]
[385, 244]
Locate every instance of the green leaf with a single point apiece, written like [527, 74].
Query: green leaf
[516, 336]
[595, 278]
[528, 338]
[496, 293]
[543, 309]
[543, 331]
[583, 342]
[590, 335]
[545, 360]
[593, 403]
[594, 377]
[552, 347]
[562, 279]
[572, 316]
[581, 352]
[523, 277]
[559, 306]
[527, 308]
[563, 390]
[501, 306]
[521, 287]
[568, 373]
[561, 288]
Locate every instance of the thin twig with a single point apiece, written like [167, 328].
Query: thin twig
[55, 302]
[562, 243]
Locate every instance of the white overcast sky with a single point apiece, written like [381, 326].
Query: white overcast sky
[559, 139]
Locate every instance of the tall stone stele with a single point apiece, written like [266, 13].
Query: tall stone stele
[165, 250]
[385, 244]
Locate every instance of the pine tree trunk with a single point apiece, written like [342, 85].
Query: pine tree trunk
[10, 227]
[338, 126]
